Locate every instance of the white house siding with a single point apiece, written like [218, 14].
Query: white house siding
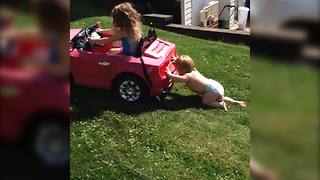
[190, 10]
[186, 10]
[197, 5]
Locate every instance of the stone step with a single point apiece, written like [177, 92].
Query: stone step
[225, 35]
[158, 20]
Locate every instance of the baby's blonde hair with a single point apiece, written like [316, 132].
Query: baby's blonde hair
[128, 19]
[186, 63]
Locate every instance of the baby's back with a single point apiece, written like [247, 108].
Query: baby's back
[197, 82]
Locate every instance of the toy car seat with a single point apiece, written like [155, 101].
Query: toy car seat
[145, 42]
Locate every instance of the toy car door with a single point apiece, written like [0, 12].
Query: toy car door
[93, 69]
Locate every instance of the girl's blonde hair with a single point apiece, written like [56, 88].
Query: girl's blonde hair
[186, 63]
[128, 19]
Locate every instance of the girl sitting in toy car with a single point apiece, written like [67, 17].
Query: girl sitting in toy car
[126, 27]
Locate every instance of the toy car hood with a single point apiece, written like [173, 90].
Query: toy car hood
[73, 32]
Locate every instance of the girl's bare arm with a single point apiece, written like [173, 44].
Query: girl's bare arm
[107, 31]
[113, 38]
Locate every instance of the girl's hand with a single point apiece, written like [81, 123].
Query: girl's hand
[98, 24]
[92, 41]
[99, 30]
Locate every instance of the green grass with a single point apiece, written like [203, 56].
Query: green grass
[177, 139]
[284, 124]
[22, 18]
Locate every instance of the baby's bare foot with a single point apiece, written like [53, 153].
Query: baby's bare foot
[242, 104]
[223, 106]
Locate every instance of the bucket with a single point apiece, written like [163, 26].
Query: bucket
[223, 24]
[243, 16]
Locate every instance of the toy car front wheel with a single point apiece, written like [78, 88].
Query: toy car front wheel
[49, 141]
[131, 89]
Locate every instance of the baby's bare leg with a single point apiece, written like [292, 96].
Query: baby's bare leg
[216, 104]
[207, 98]
[232, 101]
[210, 99]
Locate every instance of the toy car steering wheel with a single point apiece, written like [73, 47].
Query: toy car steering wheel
[80, 41]
[88, 34]
[87, 31]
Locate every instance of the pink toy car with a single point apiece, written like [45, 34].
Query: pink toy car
[34, 106]
[133, 78]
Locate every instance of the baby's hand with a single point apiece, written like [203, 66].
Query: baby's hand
[173, 58]
[168, 72]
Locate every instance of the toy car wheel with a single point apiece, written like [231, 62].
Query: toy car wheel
[131, 89]
[50, 142]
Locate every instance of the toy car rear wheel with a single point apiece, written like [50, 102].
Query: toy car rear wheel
[131, 89]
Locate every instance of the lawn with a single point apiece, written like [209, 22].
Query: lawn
[285, 118]
[176, 139]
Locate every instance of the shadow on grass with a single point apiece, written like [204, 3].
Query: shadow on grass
[17, 161]
[88, 103]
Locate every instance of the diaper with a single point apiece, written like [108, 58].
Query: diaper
[214, 87]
